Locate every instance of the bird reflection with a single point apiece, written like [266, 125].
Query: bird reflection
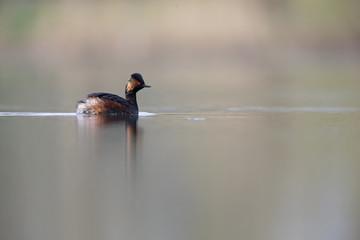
[104, 137]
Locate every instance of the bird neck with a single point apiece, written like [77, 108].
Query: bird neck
[131, 99]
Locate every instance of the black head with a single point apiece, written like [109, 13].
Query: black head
[135, 83]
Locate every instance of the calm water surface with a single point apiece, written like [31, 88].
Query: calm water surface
[238, 173]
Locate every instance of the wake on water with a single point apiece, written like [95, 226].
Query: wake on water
[231, 109]
[53, 114]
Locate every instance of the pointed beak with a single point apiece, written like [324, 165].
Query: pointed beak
[146, 85]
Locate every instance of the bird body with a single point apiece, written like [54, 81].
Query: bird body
[107, 103]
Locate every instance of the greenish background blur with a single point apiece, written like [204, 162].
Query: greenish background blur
[194, 53]
[218, 168]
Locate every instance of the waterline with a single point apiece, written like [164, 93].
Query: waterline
[54, 114]
[295, 109]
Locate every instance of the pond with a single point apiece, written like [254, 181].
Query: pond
[250, 130]
[217, 173]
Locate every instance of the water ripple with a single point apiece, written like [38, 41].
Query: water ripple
[296, 109]
[54, 114]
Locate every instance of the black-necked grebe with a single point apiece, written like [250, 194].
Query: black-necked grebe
[107, 103]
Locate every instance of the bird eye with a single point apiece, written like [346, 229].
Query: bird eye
[139, 83]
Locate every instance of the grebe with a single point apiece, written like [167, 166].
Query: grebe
[107, 103]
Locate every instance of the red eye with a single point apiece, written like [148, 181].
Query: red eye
[139, 83]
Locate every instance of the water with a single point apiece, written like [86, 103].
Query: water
[233, 173]
[250, 130]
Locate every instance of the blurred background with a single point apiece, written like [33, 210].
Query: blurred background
[248, 148]
[193, 53]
